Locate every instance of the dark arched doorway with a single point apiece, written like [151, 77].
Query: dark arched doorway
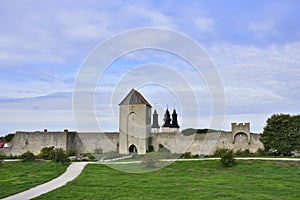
[132, 149]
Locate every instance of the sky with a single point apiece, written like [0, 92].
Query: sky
[44, 45]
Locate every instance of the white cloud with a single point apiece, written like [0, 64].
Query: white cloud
[259, 79]
[204, 24]
[262, 27]
[149, 17]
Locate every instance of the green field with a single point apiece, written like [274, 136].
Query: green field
[20, 176]
[187, 180]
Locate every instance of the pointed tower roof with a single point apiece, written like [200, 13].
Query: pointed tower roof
[174, 120]
[167, 119]
[155, 120]
[134, 97]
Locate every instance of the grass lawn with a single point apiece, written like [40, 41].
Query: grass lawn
[20, 176]
[187, 180]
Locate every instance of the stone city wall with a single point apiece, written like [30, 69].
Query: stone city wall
[89, 142]
[205, 143]
[80, 142]
[35, 141]
[108, 142]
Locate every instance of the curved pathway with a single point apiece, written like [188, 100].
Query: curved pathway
[76, 168]
[71, 173]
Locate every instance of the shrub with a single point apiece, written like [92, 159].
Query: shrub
[150, 148]
[261, 152]
[245, 152]
[186, 155]
[196, 156]
[27, 156]
[219, 152]
[60, 155]
[163, 149]
[160, 146]
[227, 158]
[47, 153]
[71, 152]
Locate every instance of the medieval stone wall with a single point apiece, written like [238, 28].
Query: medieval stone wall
[89, 142]
[205, 143]
[35, 141]
[108, 142]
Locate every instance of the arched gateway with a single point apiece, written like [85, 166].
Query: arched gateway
[240, 129]
[132, 149]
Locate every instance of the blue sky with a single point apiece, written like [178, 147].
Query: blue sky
[255, 46]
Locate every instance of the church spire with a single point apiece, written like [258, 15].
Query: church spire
[174, 120]
[155, 120]
[167, 119]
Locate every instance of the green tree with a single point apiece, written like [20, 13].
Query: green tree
[281, 135]
[7, 138]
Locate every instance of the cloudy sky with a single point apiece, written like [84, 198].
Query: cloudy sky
[255, 46]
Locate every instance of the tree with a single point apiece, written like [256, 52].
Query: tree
[281, 135]
[7, 138]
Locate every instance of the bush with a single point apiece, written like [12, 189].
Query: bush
[47, 153]
[219, 152]
[261, 152]
[60, 155]
[227, 158]
[160, 146]
[245, 152]
[71, 152]
[186, 155]
[150, 148]
[89, 155]
[163, 149]
[27, 156]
